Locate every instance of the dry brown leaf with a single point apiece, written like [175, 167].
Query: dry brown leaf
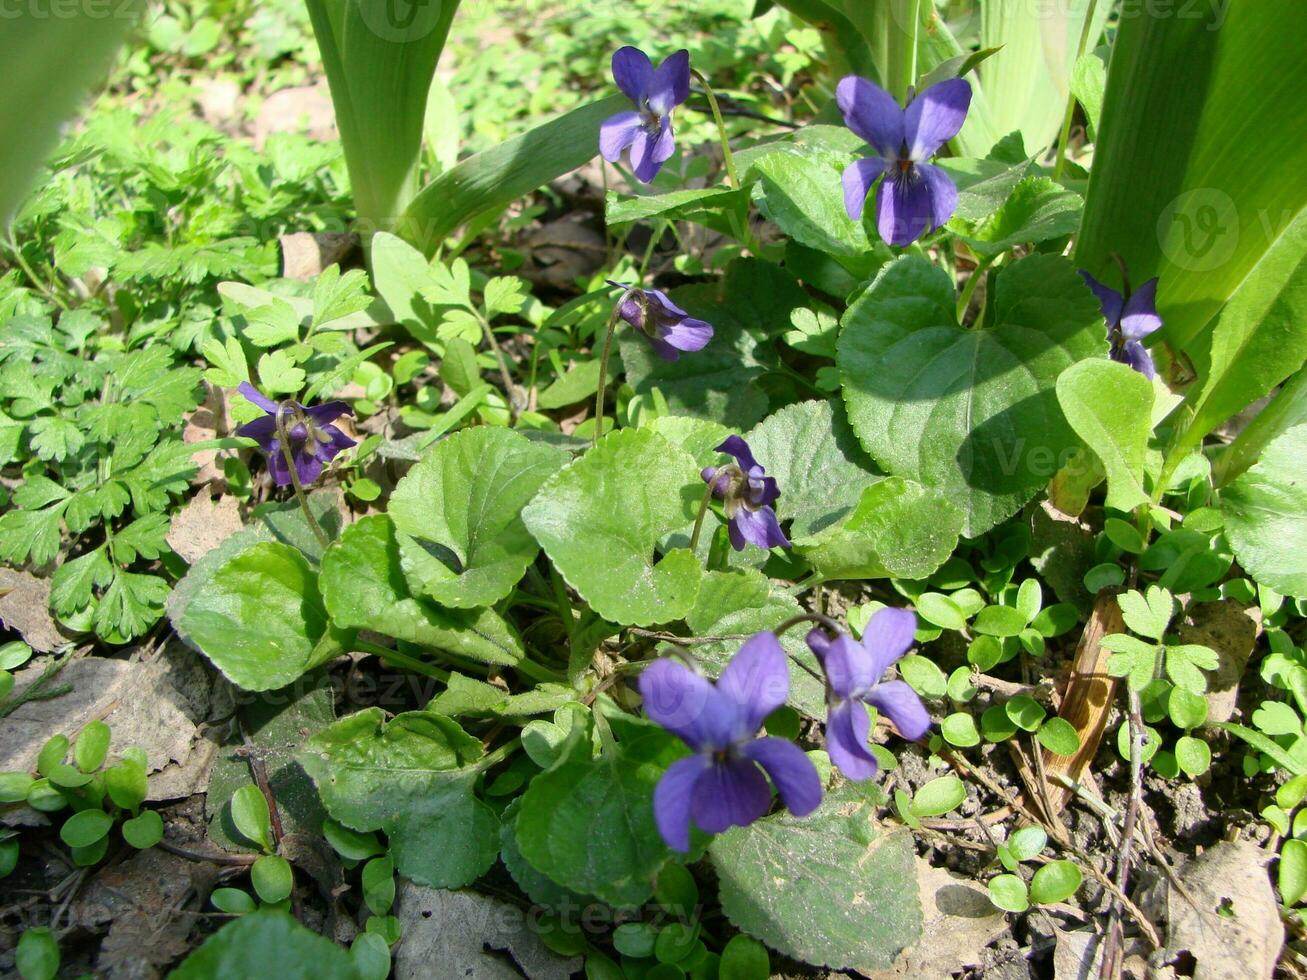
[1088, 699]
[25, 607]
[304, 254]
[1235, 931]
[1231, 629]
[136, 700]
[448, 933]
[958, 922]
[202, 525]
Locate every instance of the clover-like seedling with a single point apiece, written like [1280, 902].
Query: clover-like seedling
[1138, 660]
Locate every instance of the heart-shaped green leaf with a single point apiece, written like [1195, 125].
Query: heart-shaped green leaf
[413, 778]
[364, 587]
[1110, 407]
[970, 413]
[1266, 515]
[600, 518]
[829, 889]
[588, 823]
[458, 514]
[260, 618]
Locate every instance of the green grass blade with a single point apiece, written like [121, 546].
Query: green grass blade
[495, 177]
[380, 58]
[51, 58]
[1198, 167]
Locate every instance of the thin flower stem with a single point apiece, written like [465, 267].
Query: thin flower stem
[500, 754]
[1065, 136]
[603, 364]
[824, 621]
[698, 520]
[283, 436]
[969, 290]
[398, 659]
[510, 393]
[727, 156]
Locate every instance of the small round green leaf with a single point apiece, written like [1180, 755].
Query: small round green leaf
[37, 954]
[1293, 872]
[272, 878]
[999, 621]
[996, 724]
[92, 746]
[8, 857]
[676, 891]
[44, 797]
[249, 812]
[744, 958]
[126, 784]
[960, 688]
[350, 844]
[1008, 892]
[52, 754]
[1055, 882]
[675, 942]
[1026, 713]
[1187, 710]
[85, 828]
[939, 796]
[1192, 755]
[1059, 736]
[959, 729]
[924, 676]
[1027, 842]
[379, 884]
[941, 610]
[635, 939]
[14, 786]
[371, 956]
[143, 831]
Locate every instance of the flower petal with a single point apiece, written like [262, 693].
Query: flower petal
[262, 430]
[943, 193]
[935, 116]
[252, 394]
[858, 178]
[687, 334]
[672, 798]
[887, 637]
[759, 527]
[328, 411]
[849, 669]
[737, 447]
[1139, 317]
[901, 705]
[633, 72]
[336, 441]
[791, 770]
[277, 465]
[762, 489]
[616, 133]
[687, 705]
[1135, 354]
[847, 726]
[308, 466]
[663, 349]
[670, 85]
[1109, 300]
[756, 679]
[649, 152]
[904, 209]
[731, 794]
[872, 113]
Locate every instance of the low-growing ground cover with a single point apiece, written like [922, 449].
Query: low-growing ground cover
[721, 491]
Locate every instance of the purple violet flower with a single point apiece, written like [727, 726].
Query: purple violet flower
[667, 327]
[853, 672]
[914, 197]
[747, 493]
[722, 784]
[1129, 320]
[314, 441]
[647, 129]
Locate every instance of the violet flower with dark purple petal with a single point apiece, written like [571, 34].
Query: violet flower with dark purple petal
[1129, 320]
[747, 493]
[914, 197]
[667, 327]
[722, 784]
[314, 441]
[647, 129]
[853, 672]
